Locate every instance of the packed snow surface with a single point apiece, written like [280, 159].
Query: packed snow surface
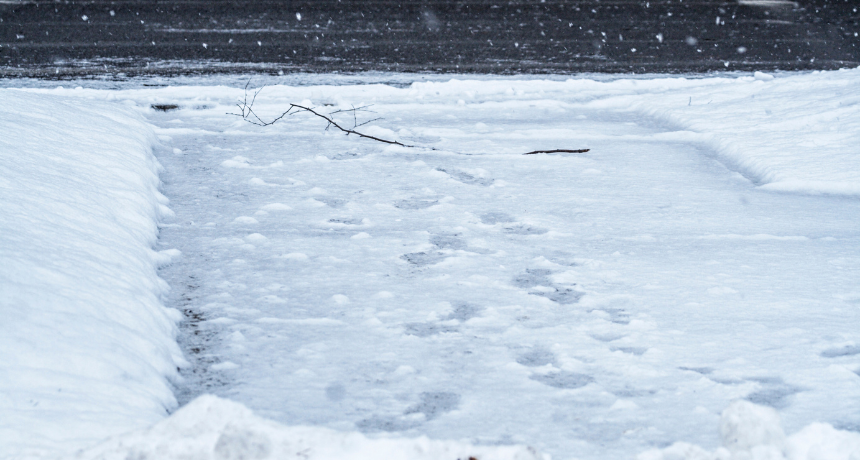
[701, 259]
[214, 428]
[86, 343]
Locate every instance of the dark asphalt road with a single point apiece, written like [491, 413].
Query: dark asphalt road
[74, 38]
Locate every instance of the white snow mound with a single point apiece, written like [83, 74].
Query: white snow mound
[753, 432]
[86, 345]
[213, 428]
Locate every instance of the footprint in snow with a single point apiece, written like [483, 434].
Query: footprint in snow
[511, 227]
[637, 351]
[427, 329]
[461, 313]
[464, 312]
[493, 218]
[524, 229]
[442, 243]
[775, 392]
[847, 350]
[423, 259]
[616, 315]
[564, 296]
[466, 178]
[431, 405]
[539, 278]
[415, 203]
[349, 221]
[533, 277]
[434, 404]
[332, 202]
[563, 379]
[698, 370]
[537, 357]
[454, 243]
[448, 242]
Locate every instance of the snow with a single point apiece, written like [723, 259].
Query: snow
[788, 134]
[86, 344]
[700, 260]
[214, 428]
[753, 432]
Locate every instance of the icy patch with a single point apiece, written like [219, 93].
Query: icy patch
[214, 428]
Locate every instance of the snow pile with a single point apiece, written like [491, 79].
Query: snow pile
[86, 343]
[788, 132]
[753, 432]
[793, 133]
[214, 428]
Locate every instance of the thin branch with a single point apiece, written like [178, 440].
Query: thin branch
[249, 115]
[348, 131]
[368, 121]
[354, 109]
[557, 151]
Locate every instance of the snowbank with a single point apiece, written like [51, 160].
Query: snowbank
[753, 432]
[795, 133]
[86, 343]
[214, 428]
[790, 132]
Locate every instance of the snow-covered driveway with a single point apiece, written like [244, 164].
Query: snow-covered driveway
[589, 305]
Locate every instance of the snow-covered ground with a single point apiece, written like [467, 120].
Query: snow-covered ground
[86, 343]
[590, 305]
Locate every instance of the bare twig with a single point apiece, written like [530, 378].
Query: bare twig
[348, 131]
[247, 113]
[557, 151]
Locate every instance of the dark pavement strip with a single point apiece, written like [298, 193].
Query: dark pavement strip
[48, 38]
